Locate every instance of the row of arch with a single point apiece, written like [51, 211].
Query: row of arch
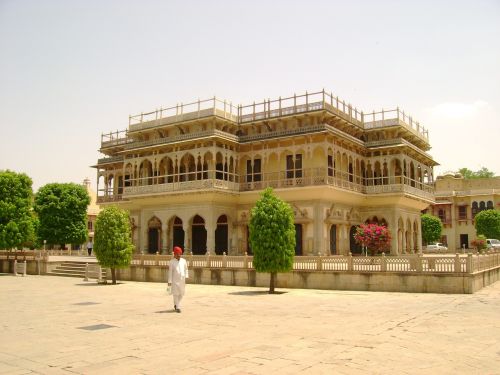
[382, 170]
[196, 241]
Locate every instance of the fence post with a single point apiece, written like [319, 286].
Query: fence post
[24, 267]
[458, 266]
[349, 262]
[468, 265]
[383, 263]
[99, 274]
[15, 267]
[38, 256]
[419, 259]
[245, 261]
[319, 263]
[224, 260]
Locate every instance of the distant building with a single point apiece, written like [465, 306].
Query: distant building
[190, 174]
[92, 210]
[458, 201]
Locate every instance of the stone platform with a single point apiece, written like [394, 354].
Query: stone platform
[56, 325]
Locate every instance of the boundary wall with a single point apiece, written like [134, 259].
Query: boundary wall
[458, 274]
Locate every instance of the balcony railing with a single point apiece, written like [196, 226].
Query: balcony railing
[113, 159]
[182, 137]
[208, 184]
[219, 180]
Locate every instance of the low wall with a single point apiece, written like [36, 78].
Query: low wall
[449, 283]
[420, 279]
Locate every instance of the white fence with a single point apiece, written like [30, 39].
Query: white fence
[469, 263]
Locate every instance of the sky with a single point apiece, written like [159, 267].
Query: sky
[71, 70]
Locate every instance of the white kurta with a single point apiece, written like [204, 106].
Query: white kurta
[177, 275]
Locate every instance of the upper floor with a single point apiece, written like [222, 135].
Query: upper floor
[298, 114]
[304, 140]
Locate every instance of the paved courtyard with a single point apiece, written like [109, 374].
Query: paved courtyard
[56, 325]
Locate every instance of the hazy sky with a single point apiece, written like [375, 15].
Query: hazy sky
[71, 70]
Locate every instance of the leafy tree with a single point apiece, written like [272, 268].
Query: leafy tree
[62, 211]
[432, 227]
[33, 241]
[16, 196]
[112, 239]
[482, 173]
[272, 236]
[376, 238]
[487, 223]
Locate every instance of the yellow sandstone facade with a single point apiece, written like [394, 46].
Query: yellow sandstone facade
[458, 201]
[190, 174]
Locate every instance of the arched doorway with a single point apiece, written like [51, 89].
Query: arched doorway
[355, 248]
[333, 240]
[221, 235]
[178, 233]
[154, 235]
[298, 239]
[199, 236]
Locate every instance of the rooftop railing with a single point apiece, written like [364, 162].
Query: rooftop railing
[268, 109]
[184, 112]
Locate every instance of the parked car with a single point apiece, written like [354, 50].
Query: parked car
[436, 247]
[492, 243]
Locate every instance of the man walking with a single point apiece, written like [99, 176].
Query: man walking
[90, 245]
[177, 275]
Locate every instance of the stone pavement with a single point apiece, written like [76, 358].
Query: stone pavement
[57, 325]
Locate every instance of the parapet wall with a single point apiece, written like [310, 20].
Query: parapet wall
[414, 274]
[448, 283]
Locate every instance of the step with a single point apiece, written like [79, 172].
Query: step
[76, 269]
[74, 274]
[59, 270]
[55, 273]
[71, 267]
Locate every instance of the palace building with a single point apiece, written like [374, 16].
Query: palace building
[458, 201]
[190, 174]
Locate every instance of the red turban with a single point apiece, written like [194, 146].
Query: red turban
[177, 250]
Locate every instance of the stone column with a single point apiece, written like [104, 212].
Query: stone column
[318, 230]
[187, 236]
[393, 227]
[210, 227]
[164, 237]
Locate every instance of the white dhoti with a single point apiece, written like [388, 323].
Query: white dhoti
[177, 275]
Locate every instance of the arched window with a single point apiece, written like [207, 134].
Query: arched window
[475, 209]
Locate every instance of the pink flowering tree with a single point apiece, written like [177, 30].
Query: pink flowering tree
[376, 238]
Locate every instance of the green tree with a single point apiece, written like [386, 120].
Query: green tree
[272, 236]
[432, 227]
[112, 239]
[16, 197]
[62, 211]
[482, 173]
[487, 223]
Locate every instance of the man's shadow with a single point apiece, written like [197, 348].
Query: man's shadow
[170, 311]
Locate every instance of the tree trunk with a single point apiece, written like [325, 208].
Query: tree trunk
[113, 275]
[272, 282]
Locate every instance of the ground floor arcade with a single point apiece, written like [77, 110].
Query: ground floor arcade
[322, 228]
